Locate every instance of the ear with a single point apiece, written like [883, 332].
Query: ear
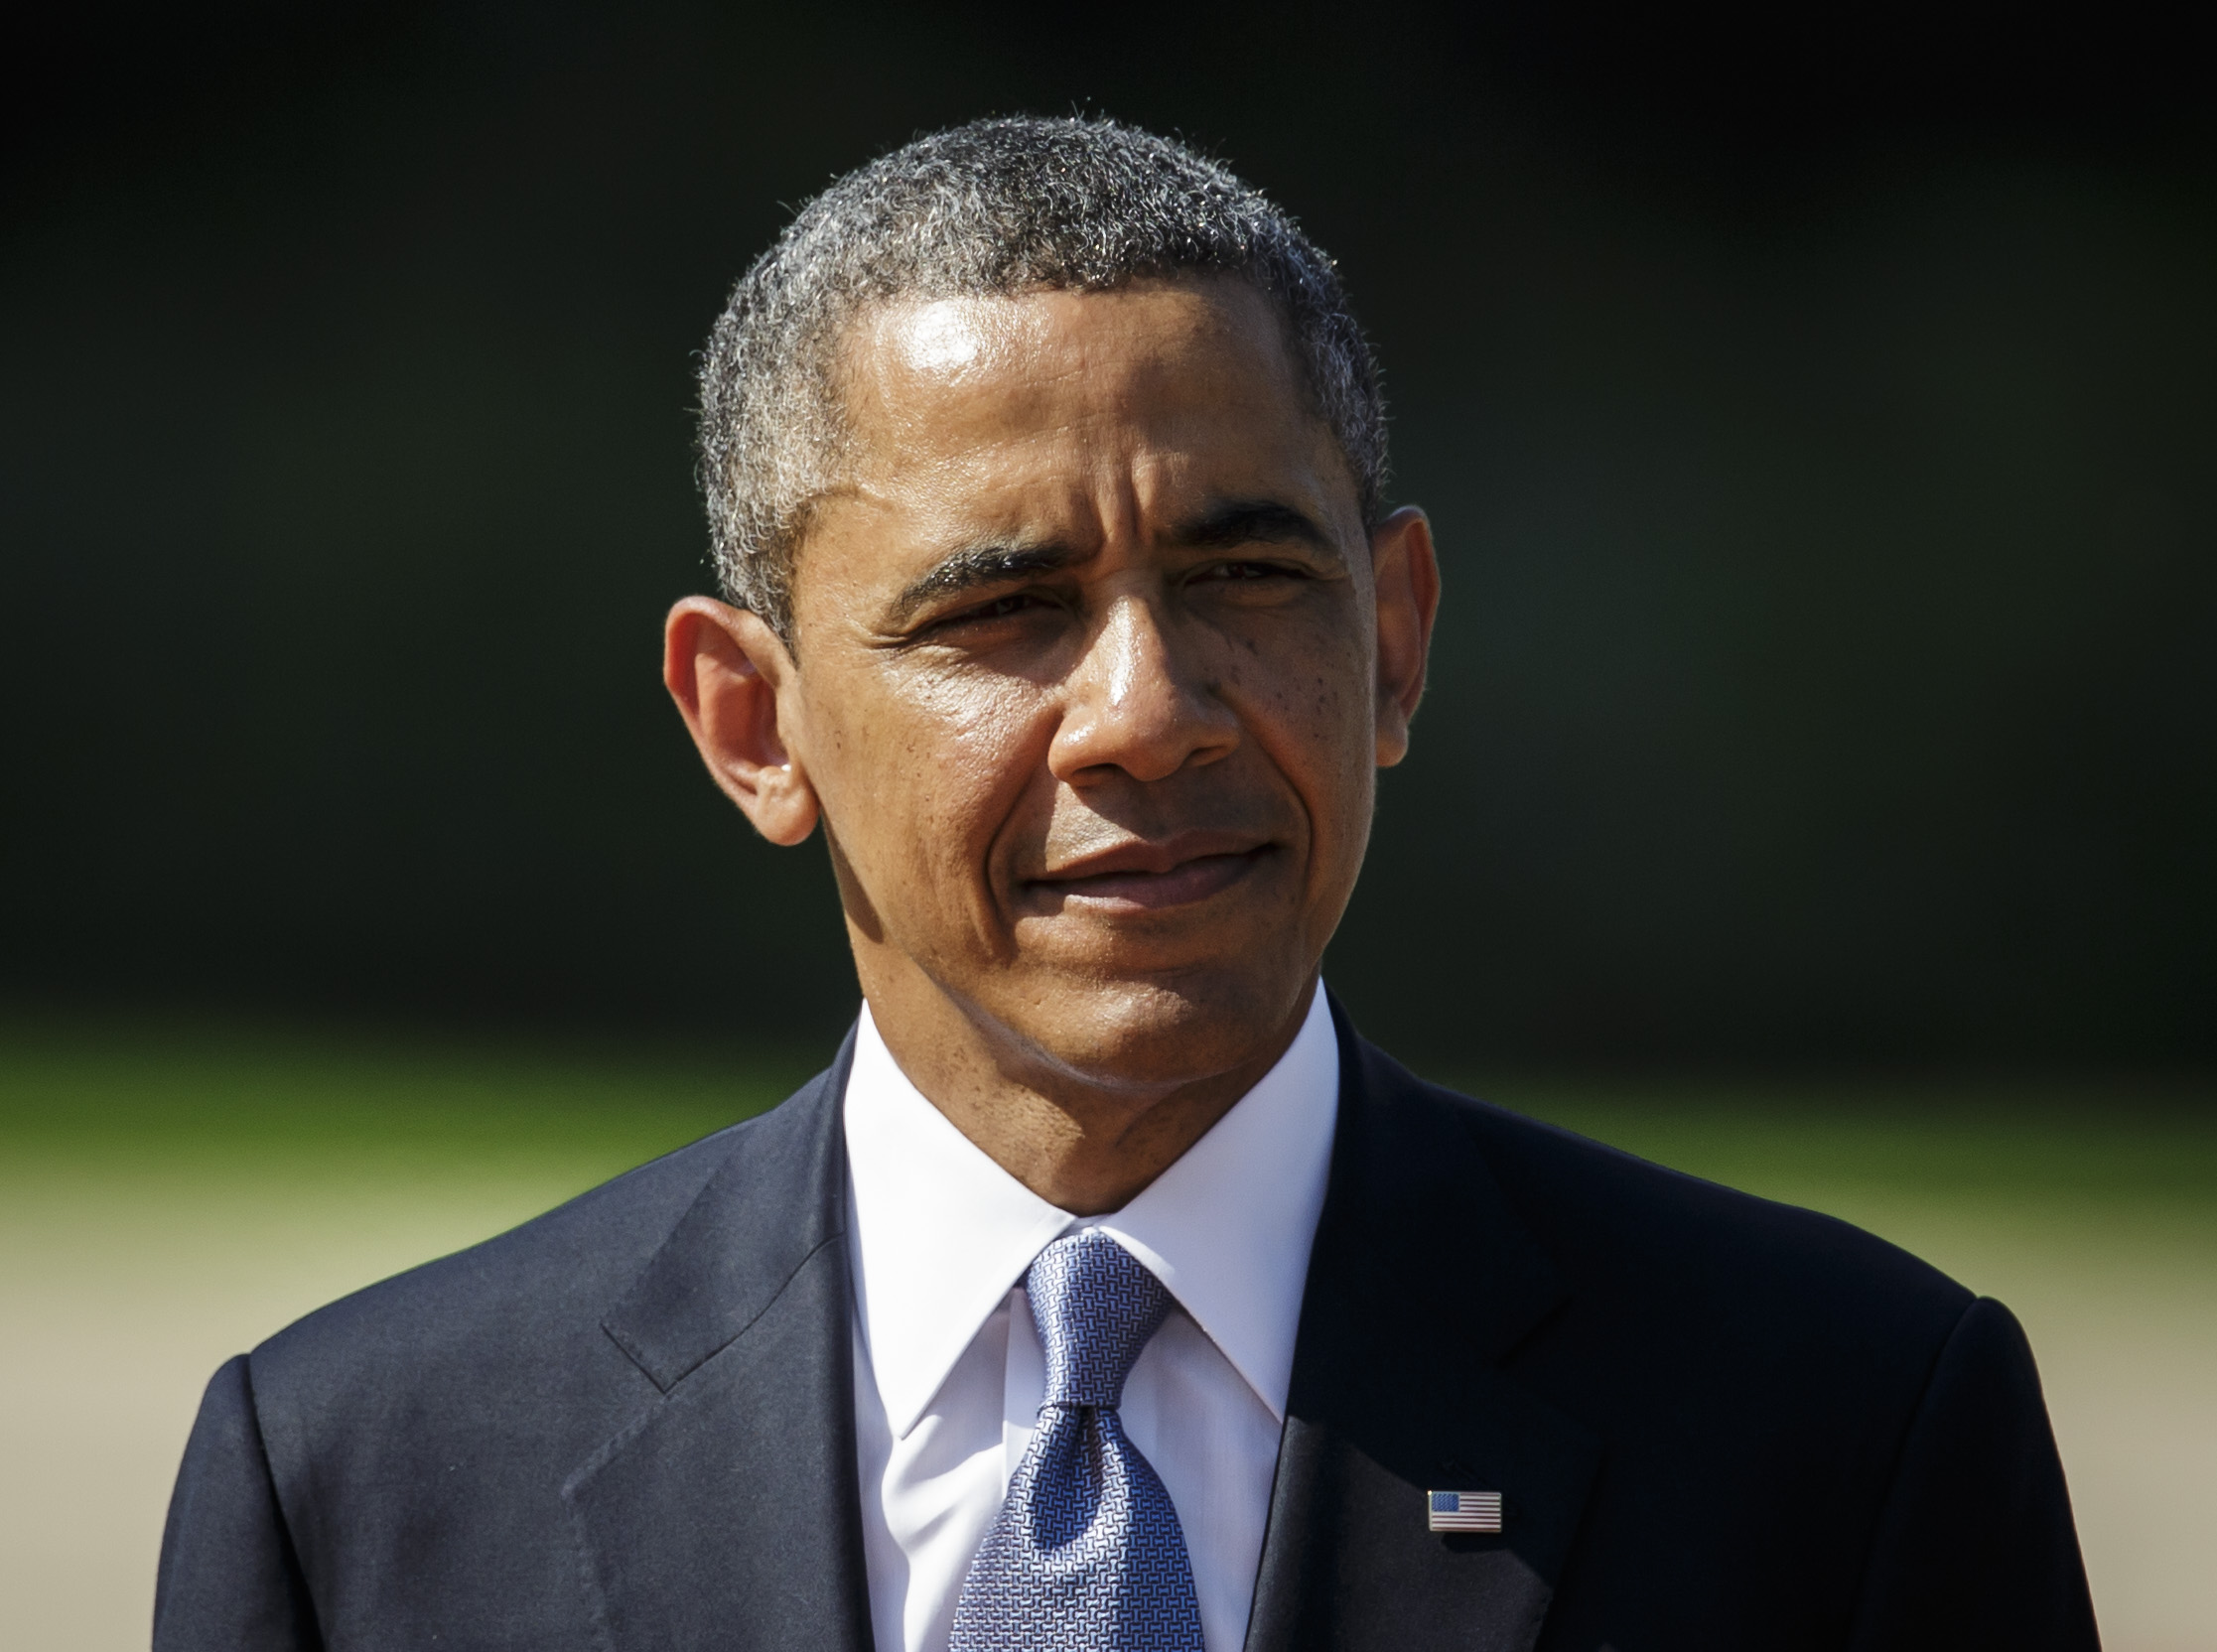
[732, 677]
[1406, 574]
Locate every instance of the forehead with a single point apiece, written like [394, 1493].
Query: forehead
[1162, 388]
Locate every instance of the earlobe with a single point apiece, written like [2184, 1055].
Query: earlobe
[1406, 570]
[726, 670]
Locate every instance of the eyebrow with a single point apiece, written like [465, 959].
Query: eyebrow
[1232, 522]
[1252, 523]
[975, 566]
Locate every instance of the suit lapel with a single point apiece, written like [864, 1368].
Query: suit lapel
[727, 1514]
[1422, 1281]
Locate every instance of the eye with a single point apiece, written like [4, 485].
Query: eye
[1249, 572]
[997, 607]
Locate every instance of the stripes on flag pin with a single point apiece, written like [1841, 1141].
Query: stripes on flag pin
[1464, 1511]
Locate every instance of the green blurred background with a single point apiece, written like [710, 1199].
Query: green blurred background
[1815, 792]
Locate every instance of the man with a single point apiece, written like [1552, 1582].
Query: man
[1108, 1291]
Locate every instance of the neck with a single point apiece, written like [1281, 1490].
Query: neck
[1084, 1137]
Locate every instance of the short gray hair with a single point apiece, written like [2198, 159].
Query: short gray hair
[997, 206]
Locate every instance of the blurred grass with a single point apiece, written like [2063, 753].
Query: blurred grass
[2086, 1141]
[164, 1093]
[155, 1092]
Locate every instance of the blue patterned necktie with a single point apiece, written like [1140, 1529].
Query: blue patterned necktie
[1086, 1555]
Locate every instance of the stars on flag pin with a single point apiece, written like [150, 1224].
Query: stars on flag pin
[1463, 1511]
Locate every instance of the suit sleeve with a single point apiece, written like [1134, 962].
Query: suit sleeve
[230, 1580]
[1976, 1548]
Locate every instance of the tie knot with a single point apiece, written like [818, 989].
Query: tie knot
[1096, 1305]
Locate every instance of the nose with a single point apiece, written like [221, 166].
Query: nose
[1138, 702]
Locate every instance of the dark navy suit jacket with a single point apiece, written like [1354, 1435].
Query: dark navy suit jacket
[1718, 1424]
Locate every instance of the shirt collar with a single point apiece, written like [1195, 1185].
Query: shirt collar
[940, 1232]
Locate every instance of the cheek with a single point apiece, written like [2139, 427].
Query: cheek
[1308, 703]
[929, 766]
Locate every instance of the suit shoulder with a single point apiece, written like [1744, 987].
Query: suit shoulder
[547, 1277]
[1687, 1247]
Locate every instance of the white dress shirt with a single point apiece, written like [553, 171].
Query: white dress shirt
[948, 1374]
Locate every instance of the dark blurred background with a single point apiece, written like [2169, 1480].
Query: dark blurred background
[1817, 413]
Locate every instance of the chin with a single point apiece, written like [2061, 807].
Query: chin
[1158, 1029]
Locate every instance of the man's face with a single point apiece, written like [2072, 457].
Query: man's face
[1087, 673]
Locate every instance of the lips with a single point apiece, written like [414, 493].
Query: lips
[1153, 877]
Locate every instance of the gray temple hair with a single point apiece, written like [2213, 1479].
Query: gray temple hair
[994, 207]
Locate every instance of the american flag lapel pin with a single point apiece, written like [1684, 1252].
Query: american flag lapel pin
[1464, 1511]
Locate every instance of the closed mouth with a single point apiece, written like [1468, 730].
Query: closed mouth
[1145, 878]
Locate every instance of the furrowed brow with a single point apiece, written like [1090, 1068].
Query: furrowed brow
[1253, 523]
[977, 567]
